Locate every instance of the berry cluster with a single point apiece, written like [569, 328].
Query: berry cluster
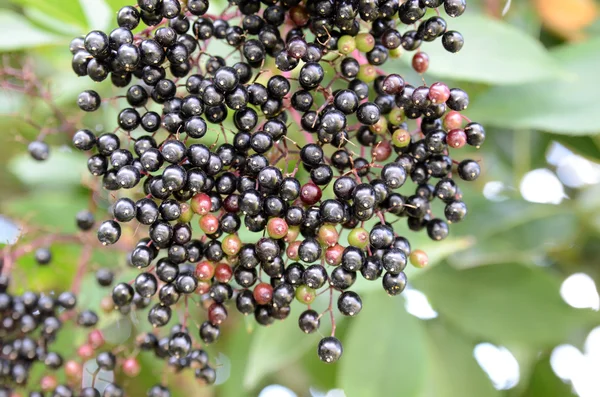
[29, 326]
[351, 124]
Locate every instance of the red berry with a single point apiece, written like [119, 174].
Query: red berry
[48, 383]
[73, 369]
[96, 339]
[420, 62]
[382, 151]
[85, 351]
[205, 270]
[277, 228]
[310, 193]
[292, 234]
[333, 255]
[393, 84]
[456, 138]
[439, 93]
[217, 313]
[201, 204]
[263, 293]
[209, 224]
[299, 15]
[203, 287]
[452, 120]
[131, 367]
[292, 250]
[223, 273]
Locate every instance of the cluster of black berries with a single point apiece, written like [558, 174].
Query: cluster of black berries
[180, 92]
[29, 325]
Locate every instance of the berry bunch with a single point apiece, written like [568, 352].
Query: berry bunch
[351, 124]
[30, 324]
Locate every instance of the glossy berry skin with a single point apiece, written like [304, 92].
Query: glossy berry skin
[309, 321]
[265, 178]
[420, 62]
[109, 232]
[475, 134]
[453, 41]
[394, 284]
[330, 349]
[89, 101]
[469, 170]
[38, 150]
[349, 303]
[43, 256]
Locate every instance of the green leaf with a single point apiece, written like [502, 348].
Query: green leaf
[494, 52]
[586, 146]
[274, 347]
[453, 371]
[57, 275]
[544, 382]
[503, 304]
[98, 14]
[520, 232]
[564, 106]
[28, 34]
[62, 168]
[116, 5]
[44, 21]
[236, 346]
[67, 11]
[55, 210]
[385, 351]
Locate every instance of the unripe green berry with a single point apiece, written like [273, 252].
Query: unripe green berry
[186, 213]
[396, 116]
[418, 258]
[359, 237]
[365, 42]
[305, 294]
[401, 138]
[367, 73]
[346, 44]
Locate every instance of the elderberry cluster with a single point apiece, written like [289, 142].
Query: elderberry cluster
[364, 133]
[30, 324]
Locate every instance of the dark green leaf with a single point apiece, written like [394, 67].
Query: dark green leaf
[385, 351]
[274, 347]
[586, 146]
[564, 106]
[503, 304]
[453, 371]
[544, 383]
[520, 231]
[494, 52]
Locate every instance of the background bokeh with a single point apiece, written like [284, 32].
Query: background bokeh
[509, 304]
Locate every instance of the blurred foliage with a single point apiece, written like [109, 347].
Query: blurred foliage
[533, 79]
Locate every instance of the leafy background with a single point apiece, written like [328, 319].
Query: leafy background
[494, 286]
